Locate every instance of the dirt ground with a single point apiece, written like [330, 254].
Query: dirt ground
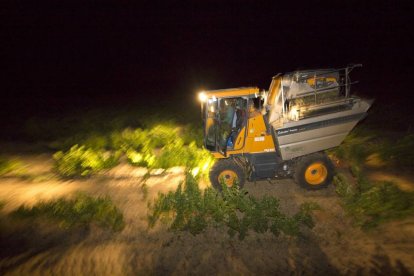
[332, 247]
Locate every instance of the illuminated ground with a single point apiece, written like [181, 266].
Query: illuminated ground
[332, 247]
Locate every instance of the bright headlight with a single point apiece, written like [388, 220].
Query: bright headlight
[202, 96]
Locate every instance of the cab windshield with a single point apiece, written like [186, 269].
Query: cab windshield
[225, 117]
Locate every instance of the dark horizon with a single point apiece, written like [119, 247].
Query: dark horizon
[63, 56]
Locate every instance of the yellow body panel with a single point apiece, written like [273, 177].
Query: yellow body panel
[232, 92]
[257, 140]
[274, 90]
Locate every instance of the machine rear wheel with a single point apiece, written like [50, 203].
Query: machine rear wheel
[314, 171]
[227, 171]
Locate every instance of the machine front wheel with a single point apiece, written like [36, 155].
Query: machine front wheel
[228, 172]
[314, 171]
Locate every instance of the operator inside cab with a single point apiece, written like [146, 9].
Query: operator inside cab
[238, 120]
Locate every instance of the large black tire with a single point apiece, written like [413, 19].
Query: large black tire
[228, 171]
[314, 172]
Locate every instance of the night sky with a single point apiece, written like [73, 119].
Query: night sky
[57, 56]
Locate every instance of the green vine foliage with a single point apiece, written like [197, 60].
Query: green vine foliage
[80, 161]
[370, 204]
[189, 208]
[82, 209]
[8, 166]
[161, 147]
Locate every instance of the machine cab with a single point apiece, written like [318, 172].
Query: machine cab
[226, 115]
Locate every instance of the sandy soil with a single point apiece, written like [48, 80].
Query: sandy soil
[332, 247]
